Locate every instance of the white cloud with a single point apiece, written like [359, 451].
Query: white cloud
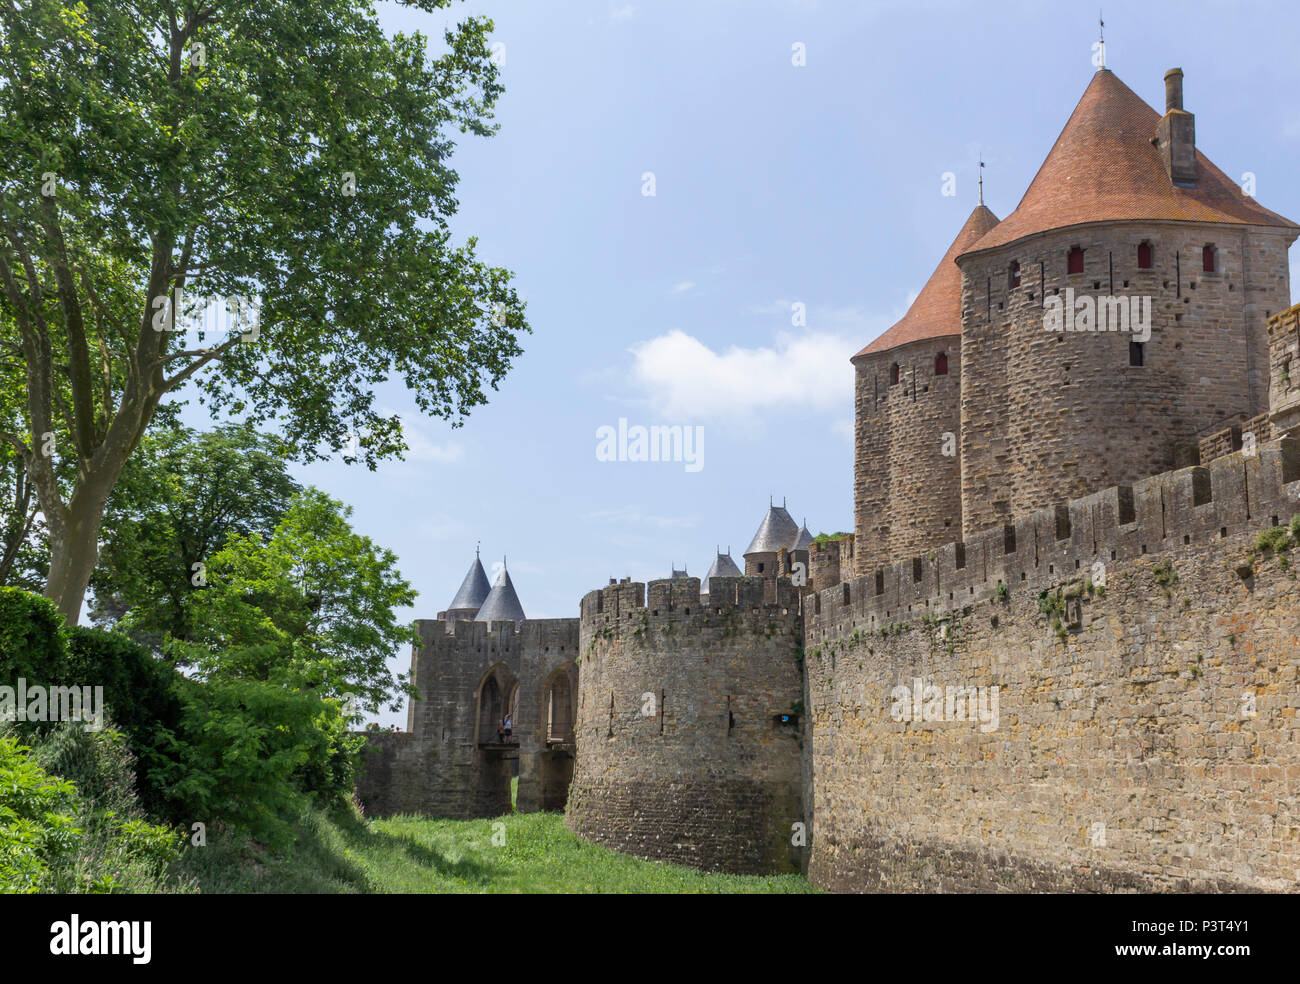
[685, 379]
[683, 287]
[626, 12]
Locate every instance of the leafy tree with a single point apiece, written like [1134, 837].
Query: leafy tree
[286, 151]
[182, 496]
[250, 754]
[309, 608]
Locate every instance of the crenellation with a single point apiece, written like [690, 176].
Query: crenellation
[1061, 543]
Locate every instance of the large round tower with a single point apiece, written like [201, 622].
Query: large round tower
[689, 731]
[1125, 224]
[907, 478]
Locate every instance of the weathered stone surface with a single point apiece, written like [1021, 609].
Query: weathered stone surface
[1146, 736]
[682, 752]
[467, 674]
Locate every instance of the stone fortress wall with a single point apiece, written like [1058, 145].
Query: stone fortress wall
[1145, 650]
[690, 723]
[448, 762]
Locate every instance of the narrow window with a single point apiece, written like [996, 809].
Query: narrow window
[760, 568]
[1013, 274]
[893, 374]
[1209, 256]
[1074, 262]
[941, 364]
[1144, 256]
[1136, 354]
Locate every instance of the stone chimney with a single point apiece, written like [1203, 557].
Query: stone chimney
[1176, 133]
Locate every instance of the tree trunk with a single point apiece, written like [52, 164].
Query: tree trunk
[74, 550]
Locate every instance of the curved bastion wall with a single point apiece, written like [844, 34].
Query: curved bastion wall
[690, 725]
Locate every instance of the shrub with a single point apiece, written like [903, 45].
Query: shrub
[1275, 539]
[36, 820]
[1165, 574]
[251, 755]
[139, 691]
[117, 848]
[31, 638]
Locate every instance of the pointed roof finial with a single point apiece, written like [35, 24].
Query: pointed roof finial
[473, 590]
[1101, 39]
[981, 179]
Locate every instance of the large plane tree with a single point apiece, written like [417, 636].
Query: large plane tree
[285, 160]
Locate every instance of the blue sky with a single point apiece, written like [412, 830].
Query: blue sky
[775, 184]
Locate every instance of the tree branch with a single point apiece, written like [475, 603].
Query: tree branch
[79, 375]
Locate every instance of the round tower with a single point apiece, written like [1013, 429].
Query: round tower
[689, 724]
[1127, 228]
[907, 477]
[776, 536]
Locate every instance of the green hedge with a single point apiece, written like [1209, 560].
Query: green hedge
[222, 751]
[32, 643]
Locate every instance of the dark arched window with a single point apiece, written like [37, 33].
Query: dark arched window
[941, 364]
[1013, 274]
[893, 374]
[1209, 257]
[1074, 262]
[1144, 256]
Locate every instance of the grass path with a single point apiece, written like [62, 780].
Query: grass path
[515, 853]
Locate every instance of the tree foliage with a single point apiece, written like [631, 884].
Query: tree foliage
[286, 151]
[183, 495]
[312, 607]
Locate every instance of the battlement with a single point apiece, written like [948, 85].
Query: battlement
[829, 561]
[1284, 370]
[1064, 542]
[1234, 438]
[673, 598]
[464, 635]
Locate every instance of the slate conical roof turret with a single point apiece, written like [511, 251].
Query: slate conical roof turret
[936, 312]
[1104, 167]
[778, 531]
[805, 538]
[473, 590]
[501, 604]
[723, 566]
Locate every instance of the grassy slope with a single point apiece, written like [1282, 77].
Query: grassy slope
[413, 854]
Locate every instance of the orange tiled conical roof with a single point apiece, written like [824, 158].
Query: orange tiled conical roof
[1104, 167]
[936, 312]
